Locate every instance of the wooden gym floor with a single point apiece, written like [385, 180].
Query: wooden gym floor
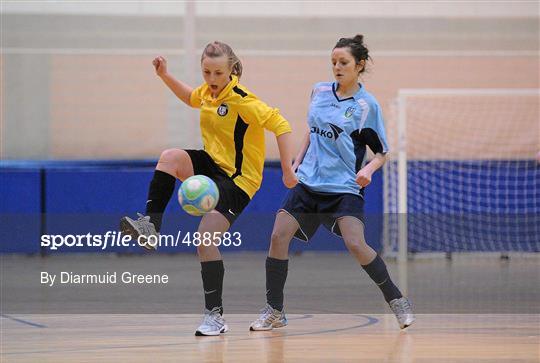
[308, 338]
[468, 310]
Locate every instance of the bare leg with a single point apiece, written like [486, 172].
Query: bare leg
[212, 269]
[277, 262]
[352, 230]
[285, 226]
[210, 223]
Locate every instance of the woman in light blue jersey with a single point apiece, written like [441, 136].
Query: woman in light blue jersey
[343, 120]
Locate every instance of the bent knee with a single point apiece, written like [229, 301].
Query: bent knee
[356, 245]
[210, 252]
[172, 156]
[176, 162]
[280, 238]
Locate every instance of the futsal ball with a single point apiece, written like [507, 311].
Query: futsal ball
[198, 195]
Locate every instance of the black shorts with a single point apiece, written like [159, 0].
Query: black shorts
[232, 199]
[311, 209]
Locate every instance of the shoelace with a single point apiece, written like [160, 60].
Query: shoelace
[266, 313]
[213, 318]
[142, 218]
[403, 307]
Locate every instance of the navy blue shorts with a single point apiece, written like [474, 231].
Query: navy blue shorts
[311, 209]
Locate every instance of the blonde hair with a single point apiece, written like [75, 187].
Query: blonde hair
[218, 49]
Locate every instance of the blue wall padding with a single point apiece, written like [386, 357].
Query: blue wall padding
[89, 197]
[20, 210]
[83, 201]
[79, 197]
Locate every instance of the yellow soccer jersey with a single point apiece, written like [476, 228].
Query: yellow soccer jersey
[232, 127]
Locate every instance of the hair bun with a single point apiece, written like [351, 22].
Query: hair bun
[359, 38]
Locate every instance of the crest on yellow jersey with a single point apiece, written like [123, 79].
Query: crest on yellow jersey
[223, 109]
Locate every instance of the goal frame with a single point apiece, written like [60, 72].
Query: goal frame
[403, 94]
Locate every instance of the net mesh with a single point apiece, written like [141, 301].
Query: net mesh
[472, 178]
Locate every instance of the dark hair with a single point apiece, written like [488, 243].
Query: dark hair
[358, 49]
[217, 49]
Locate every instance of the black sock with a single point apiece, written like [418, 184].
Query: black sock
[276, 274]
[160, 192]
[376, 269]
[212, 275]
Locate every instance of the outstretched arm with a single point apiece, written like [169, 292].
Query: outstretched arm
[180, 89]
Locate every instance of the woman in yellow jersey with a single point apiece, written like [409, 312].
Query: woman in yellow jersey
[233, 121]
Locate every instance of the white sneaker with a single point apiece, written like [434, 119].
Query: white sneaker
[140, 230]
[212, 324]
[403, 311]
[270, 318]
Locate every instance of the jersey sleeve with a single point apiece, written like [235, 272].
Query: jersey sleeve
[314, 91]
[372, 129]
[255, 111]
[196, 97]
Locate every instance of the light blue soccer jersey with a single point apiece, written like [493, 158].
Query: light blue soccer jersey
[340, 130]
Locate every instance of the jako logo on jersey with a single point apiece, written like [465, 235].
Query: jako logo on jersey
[222, 109]
[330, 134]
[349, 112]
